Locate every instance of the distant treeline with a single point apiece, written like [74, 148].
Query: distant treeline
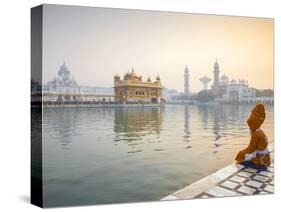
[202, 96]
[264, 93]
[207, 95]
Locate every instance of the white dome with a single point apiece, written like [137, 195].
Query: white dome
[64, 77]
[224, 78]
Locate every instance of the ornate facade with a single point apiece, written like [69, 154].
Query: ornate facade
[132, 89]
[235, 91]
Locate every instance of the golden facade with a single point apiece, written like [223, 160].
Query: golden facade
[132, 89]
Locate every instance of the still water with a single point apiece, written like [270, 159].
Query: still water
[114, 155]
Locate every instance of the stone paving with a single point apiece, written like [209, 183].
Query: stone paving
[233, 180]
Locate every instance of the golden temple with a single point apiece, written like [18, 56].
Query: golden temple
[132, 89]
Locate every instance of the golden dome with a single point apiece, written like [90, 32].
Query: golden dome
[132, 76]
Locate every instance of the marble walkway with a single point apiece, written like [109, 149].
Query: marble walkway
[233, 180]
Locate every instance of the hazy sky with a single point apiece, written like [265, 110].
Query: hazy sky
[97, 43]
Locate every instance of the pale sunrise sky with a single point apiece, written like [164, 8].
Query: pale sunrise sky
[97, 43]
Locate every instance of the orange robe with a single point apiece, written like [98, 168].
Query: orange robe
[258, 142]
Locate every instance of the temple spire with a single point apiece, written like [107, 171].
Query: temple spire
[216, 83]
[216, 65]
[186, 69]
[158, 78]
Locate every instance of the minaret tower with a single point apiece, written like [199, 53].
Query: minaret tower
[216, 84]
[186, 82]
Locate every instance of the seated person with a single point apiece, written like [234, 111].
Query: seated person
[256, 154]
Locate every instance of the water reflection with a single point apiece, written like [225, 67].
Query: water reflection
[187, 133]
[216, 115]
[64, 124]
[112, 153]
[133, 125]
[222, 121]
[204, 115]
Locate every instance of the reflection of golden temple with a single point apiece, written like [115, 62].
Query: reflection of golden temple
[137, 123]
[133, 89]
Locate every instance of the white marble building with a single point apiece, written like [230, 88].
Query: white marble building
[64, 88]
[234, 91]
[231, 90]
